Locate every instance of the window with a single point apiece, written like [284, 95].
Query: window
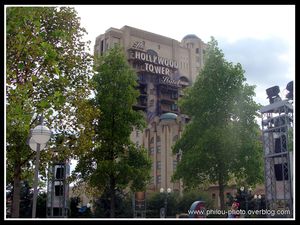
[158, 179]
[197, 50]
[158, 143]
[59, 173]
[102, 47]
[59, 190]
[152, 140]
[158, 165]
[158, 150]
[174, 95]
[137, 133]
[158, 46]
[174, 107]
[151, 150]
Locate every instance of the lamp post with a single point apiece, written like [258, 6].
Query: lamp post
[40, 135]
[245, 193]
[166, 198]
[257, 201]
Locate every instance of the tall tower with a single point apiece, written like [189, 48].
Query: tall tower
[277, 124]
[164, 67]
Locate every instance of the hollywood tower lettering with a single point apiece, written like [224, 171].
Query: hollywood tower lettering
[155, 64]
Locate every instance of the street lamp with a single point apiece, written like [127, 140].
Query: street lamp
[244, 194]
[257, 200]
[40, 135]
[166, 198]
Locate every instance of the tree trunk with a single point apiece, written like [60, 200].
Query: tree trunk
[221, 195]
[112, 197]
[221, 191]
[16, 191]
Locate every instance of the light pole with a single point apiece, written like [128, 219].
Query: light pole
[257, 201]
[245, 194]
[166, 198]
[40, 135]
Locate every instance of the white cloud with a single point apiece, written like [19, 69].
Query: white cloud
[175, 21]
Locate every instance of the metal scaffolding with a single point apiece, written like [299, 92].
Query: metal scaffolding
[58, 190]
[277, 127]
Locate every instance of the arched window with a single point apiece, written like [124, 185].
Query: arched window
[184, 81]
[152, 140]
[151, 52]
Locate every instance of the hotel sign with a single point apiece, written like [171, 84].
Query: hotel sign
[168, 81]
[155, 64]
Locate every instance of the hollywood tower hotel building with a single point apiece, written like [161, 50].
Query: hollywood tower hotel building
[164, 67]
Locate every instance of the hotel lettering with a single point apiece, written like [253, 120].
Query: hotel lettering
[155, 64]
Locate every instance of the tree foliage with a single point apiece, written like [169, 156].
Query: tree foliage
[222, 140]
[115, 163]
[123, 207]
[48, 71]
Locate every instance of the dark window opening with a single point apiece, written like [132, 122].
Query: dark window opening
[59, 190]
[102, 47]
[280, 142]
[278, 171]
[59, 173]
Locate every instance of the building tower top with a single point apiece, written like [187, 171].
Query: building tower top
[191, 36]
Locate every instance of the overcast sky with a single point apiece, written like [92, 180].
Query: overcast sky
[261, 38]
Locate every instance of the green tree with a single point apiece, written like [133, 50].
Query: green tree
[115, 163]
[222, 140]
[41, 208]
[26, 199]
[48, 71]
[74, 202]
[123, 207]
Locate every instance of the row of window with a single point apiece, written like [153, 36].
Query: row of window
[158, 139]
[158, 164]
[158, 167]
[197, 50]
[158, 149]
